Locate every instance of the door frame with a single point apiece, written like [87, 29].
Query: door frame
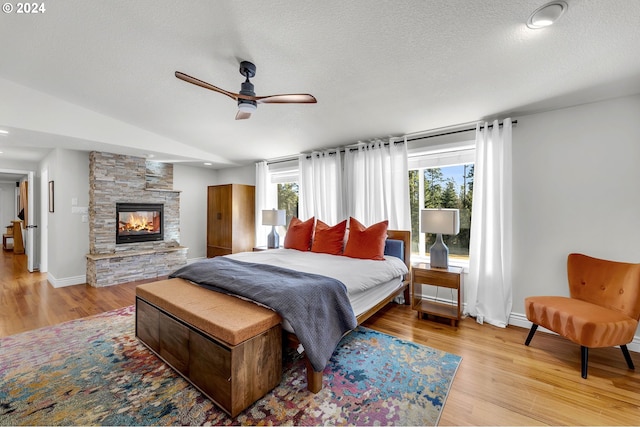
[44, 221]
[33, 216]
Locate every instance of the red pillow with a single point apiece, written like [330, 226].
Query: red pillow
[329, 240]
[366, 243]
[299, 234]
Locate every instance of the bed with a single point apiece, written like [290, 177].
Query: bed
[369, 286]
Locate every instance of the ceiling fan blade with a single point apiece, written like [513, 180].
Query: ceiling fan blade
[247, 94]
[187, 78]
[242, 115]
[292, 98]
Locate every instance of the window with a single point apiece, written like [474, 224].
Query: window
[441, 176]
[282, 191]
[443, 187]
[288, 199]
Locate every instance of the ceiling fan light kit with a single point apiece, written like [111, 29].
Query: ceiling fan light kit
[247, 106]
[246, 98]
[245, 109]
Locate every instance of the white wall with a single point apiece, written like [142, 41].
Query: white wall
[241, 175]
[576, 173]
[193, 183]
[68, 239]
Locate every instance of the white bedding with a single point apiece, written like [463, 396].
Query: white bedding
[367, 281]
[358, 275]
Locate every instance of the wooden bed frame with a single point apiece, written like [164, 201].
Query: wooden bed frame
[314, 378]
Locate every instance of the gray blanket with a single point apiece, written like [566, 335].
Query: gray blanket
[317, 307]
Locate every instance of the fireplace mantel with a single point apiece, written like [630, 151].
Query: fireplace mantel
[123, 254]
[160, 190]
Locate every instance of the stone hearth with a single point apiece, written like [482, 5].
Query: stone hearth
[125, 179]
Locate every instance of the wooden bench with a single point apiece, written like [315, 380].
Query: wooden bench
[229, 348]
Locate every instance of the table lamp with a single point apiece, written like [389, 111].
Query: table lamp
[439, 222]
[273, 217]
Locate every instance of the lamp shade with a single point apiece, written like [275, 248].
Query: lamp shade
[440, 221]
[274, 217]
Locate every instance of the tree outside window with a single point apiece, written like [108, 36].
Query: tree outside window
[288, 199]
[442, 187]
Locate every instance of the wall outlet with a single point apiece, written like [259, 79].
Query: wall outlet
[85, 218]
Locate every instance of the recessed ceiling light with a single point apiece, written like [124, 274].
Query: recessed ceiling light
[547, 14]
[207, 164]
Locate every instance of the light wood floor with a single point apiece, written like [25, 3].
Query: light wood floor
[500, 381]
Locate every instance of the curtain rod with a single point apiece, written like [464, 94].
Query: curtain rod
[400, 139]
[281, 160]
[352, 148]
[416, 138]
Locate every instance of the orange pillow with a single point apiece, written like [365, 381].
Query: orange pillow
[366, 243]
[299, 234]
[329, 240]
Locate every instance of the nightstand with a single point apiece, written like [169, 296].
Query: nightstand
[422, 274]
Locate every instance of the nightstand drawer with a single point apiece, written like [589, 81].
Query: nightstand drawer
[439, 277]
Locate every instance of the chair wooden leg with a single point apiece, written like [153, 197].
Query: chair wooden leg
[627, 356]
[534, 327]
[584, 353]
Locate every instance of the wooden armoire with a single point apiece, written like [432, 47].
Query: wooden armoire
[230, 219]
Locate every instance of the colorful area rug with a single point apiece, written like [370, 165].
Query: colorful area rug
[94, 371]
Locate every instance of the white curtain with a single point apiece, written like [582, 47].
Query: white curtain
[489, 284]
[376, 179]
[321, 186]
[262, 201]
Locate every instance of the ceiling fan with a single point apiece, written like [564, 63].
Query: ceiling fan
[247, 99]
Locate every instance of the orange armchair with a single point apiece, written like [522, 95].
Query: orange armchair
[603, 310]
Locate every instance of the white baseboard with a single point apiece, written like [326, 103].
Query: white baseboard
[66, 281]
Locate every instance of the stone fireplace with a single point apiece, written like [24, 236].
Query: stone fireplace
[146, 248]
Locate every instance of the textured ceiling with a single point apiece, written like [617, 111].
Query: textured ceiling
[100, 74]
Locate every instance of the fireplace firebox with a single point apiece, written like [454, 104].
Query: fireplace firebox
[139, 222]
